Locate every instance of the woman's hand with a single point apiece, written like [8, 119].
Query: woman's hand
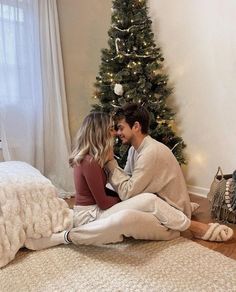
[110, 155]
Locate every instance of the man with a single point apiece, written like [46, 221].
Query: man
[152, 168]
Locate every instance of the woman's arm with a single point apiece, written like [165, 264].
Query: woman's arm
[93, 174]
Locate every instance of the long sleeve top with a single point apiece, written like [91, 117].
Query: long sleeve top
[151, 168]
[90, 180]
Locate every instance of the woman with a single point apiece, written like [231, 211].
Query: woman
[93, 144]
[99, 218]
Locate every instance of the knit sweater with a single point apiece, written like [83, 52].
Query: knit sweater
[151, 168]
[90, 180]
[29, 208]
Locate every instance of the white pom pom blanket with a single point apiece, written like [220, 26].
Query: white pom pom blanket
[29, 207]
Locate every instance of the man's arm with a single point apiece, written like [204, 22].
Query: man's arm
[128, 186]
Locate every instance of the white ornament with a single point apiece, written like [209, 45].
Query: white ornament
[118, 89]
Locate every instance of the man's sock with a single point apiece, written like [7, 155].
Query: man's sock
[46, 242]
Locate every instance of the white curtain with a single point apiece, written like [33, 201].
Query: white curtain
[33, 112]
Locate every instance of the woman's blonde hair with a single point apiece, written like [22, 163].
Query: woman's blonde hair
[93, 138]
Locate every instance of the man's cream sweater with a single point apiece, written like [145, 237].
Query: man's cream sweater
[152, 168]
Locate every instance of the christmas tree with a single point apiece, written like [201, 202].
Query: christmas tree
[132, 70]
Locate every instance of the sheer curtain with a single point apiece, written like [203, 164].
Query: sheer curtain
[33, 111]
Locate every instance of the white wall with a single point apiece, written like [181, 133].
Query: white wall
[83, 28]
[198, 39]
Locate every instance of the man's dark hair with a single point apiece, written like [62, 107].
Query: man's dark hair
[134, 112]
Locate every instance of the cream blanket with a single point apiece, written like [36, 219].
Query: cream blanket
[29, 207]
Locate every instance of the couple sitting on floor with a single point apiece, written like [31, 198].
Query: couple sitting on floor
[152, 201]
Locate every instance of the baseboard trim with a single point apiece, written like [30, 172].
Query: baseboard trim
[198, 191]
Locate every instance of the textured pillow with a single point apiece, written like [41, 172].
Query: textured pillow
[29, 207]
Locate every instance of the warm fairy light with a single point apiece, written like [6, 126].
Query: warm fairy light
[155, 72]
[199, 158]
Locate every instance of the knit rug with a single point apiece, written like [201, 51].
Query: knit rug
[177, 265]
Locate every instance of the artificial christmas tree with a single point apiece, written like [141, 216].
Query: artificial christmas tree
[132, 71]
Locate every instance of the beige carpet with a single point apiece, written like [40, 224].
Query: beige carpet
[179, 265]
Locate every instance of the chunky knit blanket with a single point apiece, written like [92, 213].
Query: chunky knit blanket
[29, 208]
